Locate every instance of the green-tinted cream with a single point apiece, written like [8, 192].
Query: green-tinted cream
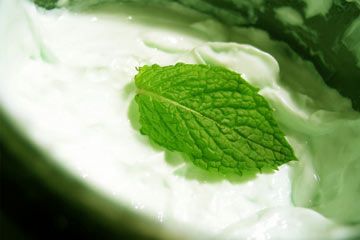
[68, 82]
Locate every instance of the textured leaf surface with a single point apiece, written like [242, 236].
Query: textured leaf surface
[211, 114]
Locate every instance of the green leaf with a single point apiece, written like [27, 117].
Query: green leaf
[211, 114]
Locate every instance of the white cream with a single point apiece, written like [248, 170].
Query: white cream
[67, 80]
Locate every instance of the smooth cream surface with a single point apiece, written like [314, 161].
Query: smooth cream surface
[67, 79]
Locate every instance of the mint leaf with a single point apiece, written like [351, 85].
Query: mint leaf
[211, 114]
